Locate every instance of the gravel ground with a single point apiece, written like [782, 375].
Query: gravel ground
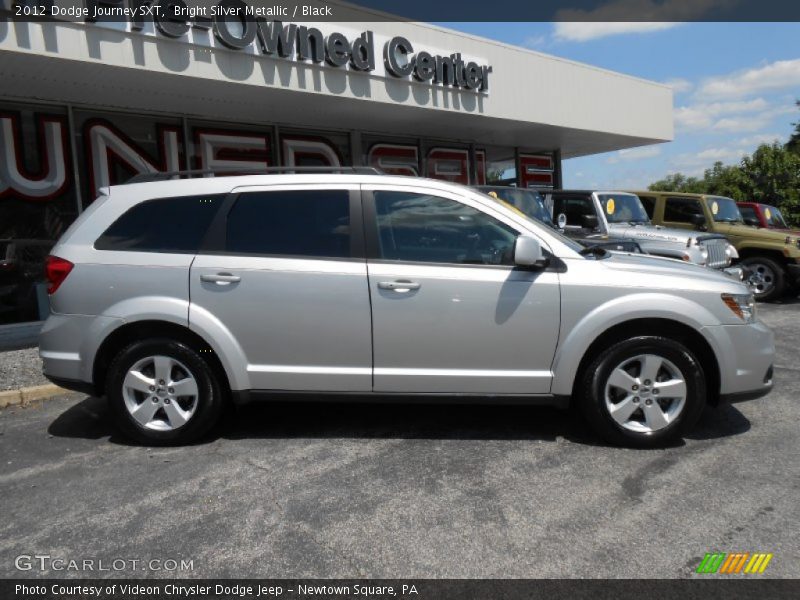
[20, 368]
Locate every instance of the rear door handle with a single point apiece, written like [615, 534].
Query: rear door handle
[399, 286]
[221, 278]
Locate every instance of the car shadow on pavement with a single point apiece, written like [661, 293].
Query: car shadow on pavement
[91, 419]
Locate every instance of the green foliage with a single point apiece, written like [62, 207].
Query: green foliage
[772, 175]
[793, 145]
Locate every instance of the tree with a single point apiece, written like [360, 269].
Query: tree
[677, 182]
[793, 145]
[772, 176]
[724, 181]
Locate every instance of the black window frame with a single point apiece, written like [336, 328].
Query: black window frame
[645, 200]
[97, 245]
[216, 239]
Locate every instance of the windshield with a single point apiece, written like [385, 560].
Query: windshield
[528, 202]
[725, 210]
[623, 208]
[774, 218]
[534, 203]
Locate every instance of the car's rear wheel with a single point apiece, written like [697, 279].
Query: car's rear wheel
[162, 392]
[643, 392]
[765, 278]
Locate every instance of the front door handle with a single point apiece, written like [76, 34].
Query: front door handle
[401, 285]
[221, 278]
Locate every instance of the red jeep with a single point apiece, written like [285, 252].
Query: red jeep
[764, 215]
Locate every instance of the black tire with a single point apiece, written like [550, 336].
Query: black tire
[209, 398]
[768, 277]
[592, 391]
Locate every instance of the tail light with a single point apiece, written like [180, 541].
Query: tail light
[56, 270]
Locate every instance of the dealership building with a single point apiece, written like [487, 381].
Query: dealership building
[85, 104]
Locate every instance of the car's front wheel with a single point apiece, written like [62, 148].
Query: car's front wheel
[765, 278]
[643, 392]
[162, 392]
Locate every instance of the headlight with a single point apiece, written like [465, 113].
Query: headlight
[742, 305]
[731, 252]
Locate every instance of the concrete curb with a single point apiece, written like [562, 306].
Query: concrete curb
[25, 396]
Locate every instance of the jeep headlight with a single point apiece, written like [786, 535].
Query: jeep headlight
[742, 305]
[731, 252]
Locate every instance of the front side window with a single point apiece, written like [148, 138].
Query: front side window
[649, 204]
[681, 210]
[314, 223]
[418, 227]
[724, 210]
[175, 225]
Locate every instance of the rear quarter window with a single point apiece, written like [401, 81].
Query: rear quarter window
[175, 225]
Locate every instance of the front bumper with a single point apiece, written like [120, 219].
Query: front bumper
[793, 273]
[735, 273]
[746, 354]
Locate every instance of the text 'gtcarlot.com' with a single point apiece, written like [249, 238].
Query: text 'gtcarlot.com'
[46, 562]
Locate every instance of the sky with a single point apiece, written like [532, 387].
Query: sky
[734, 87]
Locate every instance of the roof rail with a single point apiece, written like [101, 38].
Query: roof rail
[166, 175]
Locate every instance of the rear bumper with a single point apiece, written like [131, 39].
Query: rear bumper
[68, 345]
[71, 384]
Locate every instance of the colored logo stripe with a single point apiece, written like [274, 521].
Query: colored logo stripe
[734, 562]
[711, 562]
[758, 563]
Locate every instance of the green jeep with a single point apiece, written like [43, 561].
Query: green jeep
[771, 258]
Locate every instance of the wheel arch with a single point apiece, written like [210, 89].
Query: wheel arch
[140, 330]
[756, 251]
[668, 328]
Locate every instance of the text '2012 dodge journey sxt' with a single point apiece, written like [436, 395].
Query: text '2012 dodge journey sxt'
[174, 297]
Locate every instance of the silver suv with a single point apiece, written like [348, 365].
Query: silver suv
[174, 297]
[622, 214]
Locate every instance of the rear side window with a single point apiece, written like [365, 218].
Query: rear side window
[649, 204]
[175, 225]
[313, 223]
[681, 210]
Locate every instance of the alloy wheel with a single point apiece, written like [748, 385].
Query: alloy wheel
[645, 393]
[761, 280]
[160, 393]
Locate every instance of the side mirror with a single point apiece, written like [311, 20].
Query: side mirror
[699, 221]
[589, 221]
[528, 253]
[752, 222]
[561, 220]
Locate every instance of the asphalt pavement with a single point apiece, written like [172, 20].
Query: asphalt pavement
[355, 490]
